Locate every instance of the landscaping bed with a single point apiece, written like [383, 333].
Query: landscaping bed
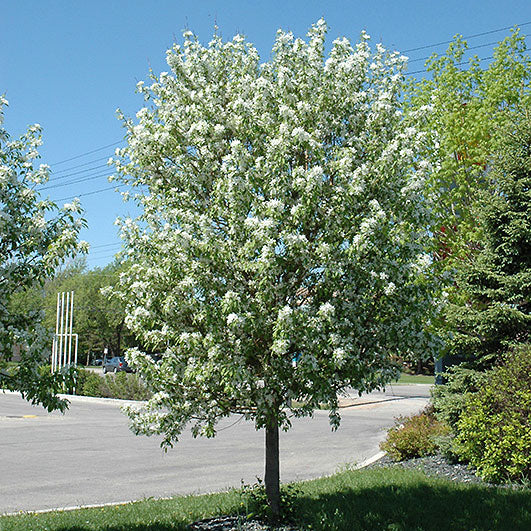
[440, 467]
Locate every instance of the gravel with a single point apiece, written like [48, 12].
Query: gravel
[435, 466]
[235, 523]
[439, 466]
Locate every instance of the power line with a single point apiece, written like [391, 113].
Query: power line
[90, 193]
[103, 251]
[79, 165]
[87, 153]
[91, 177]
[80, 172]
[107, 256]
[76, 181]
[467, 50]
[104, 245]
[79, 180]
[456, 64]
[102, 257]
[465, 37]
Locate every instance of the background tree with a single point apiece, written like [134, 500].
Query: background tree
[471, 106]
[98, 319]
[491, 312]
[283, 219]
[35, 237]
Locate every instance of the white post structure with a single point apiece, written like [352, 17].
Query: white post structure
[63, 339]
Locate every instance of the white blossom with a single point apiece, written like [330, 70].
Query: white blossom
[274, 215]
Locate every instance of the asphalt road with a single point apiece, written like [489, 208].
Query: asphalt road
[89, 456]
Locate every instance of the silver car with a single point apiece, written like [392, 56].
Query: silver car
[115, 364]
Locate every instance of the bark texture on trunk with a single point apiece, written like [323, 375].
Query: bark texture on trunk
[272, 469]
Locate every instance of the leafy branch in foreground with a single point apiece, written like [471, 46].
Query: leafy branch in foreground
[35, 238]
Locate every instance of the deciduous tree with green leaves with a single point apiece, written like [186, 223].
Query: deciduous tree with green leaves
[35, 237]
[98, 319]
[471, 104]
[279, 255]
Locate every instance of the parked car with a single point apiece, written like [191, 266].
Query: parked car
[97, 362]
[115, 364]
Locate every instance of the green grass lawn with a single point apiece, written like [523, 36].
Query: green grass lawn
[415, 379]
[374, 499]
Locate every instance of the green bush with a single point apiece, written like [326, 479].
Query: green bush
[494, 431]
[124, 385]
[254, 501]
[88, 383]
[414, 436]
[449, 399]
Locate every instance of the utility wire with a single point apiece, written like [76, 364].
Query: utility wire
[103, 251]
[456, 64]
[87, 153]
[79, 165]
[104, 245]
[90, 193]
[467, 50]
[465, 37]
[87, 178]
[79, 172]
[101, 257]
[76, 181]
[424, 47]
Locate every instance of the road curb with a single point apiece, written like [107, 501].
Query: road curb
[370, 460]
[82, 398]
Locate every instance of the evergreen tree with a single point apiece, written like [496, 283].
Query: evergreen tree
[491, 312]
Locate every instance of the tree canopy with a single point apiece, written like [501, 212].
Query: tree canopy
[472, 104]
[98, 319]
[491, 310]
[280, 251]
[35, 237]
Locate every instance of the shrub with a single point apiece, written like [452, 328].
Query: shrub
[449, 399]
[88, 383]
[494, 431]
[414, 436]
[121, 385]
[254, 500]
[124, 385]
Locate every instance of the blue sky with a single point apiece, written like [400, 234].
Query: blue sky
[68, 64]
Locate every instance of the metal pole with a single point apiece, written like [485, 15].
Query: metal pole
[54, 353]
[75, 359]
[61, 330]
[65, 337]
[70, 334]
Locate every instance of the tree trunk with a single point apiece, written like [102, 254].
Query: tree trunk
[272, 469]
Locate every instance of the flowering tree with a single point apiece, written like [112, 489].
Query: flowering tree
[35, 237]
[279, 255]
